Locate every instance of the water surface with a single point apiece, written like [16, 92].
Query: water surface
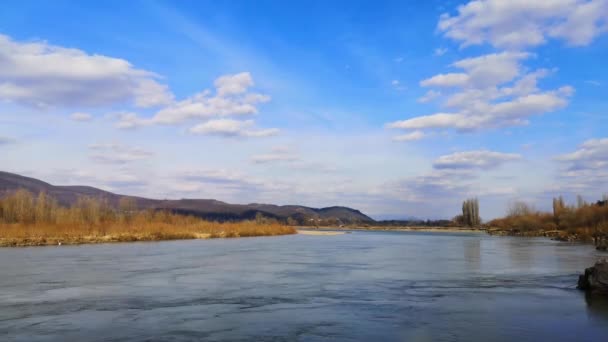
[382, 286]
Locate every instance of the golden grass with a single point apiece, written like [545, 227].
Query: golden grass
[26, 220]
[15, 235]
[582, 223]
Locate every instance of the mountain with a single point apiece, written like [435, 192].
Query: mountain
[205, 208]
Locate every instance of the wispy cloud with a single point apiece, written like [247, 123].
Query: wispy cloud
[440, 52]
[277, 155]
[232, 128]
[114, 153]
[82, 117]
[482, 159]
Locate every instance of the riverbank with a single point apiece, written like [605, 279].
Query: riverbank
[319, 232]
[400, 229]
[18, 235]
[581, 235]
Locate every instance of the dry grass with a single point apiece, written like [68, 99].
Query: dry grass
[190, 228]
[582, 223]
[26, 220]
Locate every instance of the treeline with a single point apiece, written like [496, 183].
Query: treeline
[27, 219]
[470, 214]
[414, 223]
[23, 207]
[587, 220]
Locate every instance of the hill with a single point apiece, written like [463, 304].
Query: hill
[209, 209]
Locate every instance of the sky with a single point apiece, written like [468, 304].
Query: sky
[397, 108]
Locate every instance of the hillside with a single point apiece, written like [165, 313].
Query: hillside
[205, 208]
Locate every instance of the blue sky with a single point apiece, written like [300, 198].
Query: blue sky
[399, 109]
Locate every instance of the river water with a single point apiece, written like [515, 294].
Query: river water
[364, 286]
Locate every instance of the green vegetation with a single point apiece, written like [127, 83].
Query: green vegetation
[28, 220]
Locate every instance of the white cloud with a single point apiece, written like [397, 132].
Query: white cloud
[446, 80]
[439, 120]
[518, 24]
[429, 96]
[232, 128]
[114, 153]
[482, 71]
[231, 98]
[482, 159]
[584, 170]
[44, 75]
[493, 91]
[416, 135]
[233, 84]
[592, 154]
[79, 116]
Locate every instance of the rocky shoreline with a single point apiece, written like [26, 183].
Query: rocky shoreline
[595, 278]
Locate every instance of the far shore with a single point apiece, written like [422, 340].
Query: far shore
[319, 232]
[399, 229]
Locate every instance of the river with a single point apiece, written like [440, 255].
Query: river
[369, 286]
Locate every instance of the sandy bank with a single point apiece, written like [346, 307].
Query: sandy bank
[319, 232]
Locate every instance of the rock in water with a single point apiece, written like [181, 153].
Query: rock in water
[595, 278]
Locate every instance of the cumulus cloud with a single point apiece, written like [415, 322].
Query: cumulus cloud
[518, 24]
[114, 153]
[492, 91]
[79, 116]
[482, 159]
[483, 71]
[232, 128]
[232, 98]
[233, 84]
[43, 75]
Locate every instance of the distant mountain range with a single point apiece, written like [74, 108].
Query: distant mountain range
[205, 208]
